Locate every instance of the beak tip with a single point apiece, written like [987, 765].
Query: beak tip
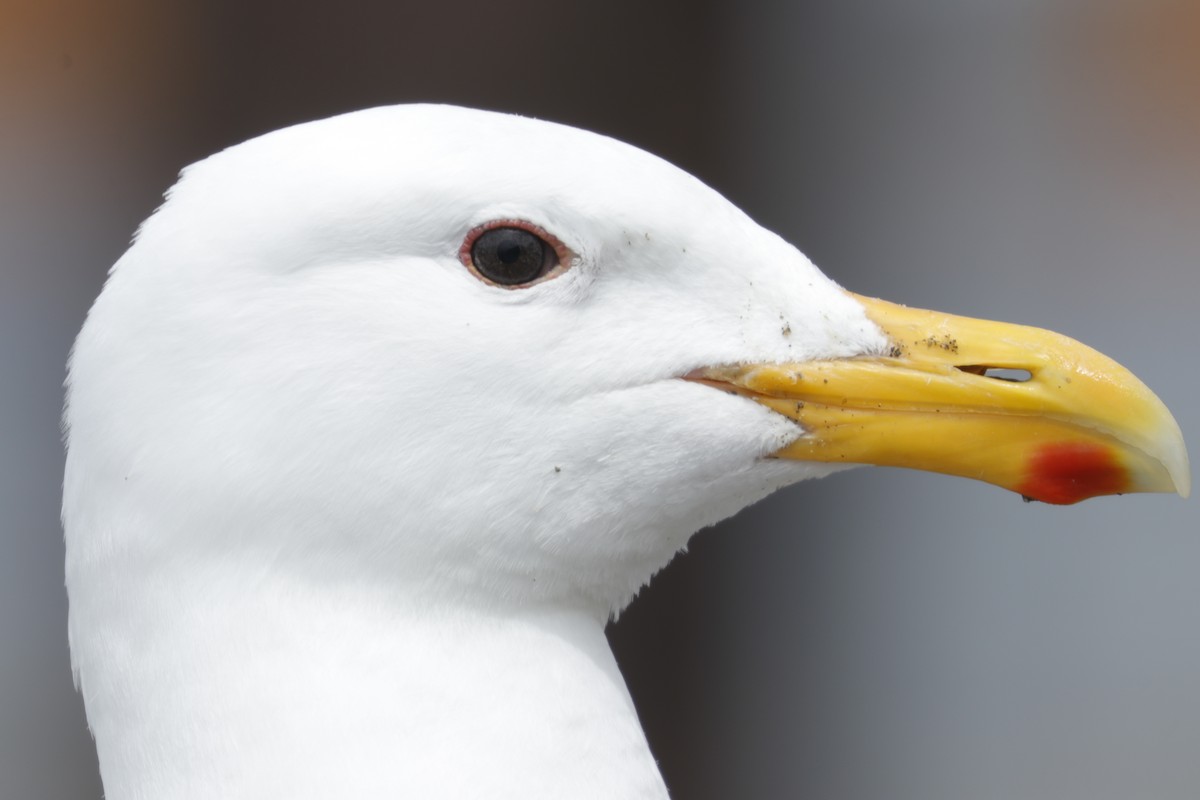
[1183, 480]
[1176, 458]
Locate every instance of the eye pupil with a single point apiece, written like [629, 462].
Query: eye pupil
[509, 252]
[511, 256]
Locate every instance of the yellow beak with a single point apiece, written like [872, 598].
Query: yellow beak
[1022, 408]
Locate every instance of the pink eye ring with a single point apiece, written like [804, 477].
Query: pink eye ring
[513, 253]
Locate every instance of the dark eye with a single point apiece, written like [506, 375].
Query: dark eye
[512, 256]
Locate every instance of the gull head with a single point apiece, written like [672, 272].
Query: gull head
[357, 373]
[472, 352]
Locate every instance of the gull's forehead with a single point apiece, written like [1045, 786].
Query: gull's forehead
[464, 147]
[441, 168]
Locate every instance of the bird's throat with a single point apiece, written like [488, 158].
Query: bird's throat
[285, 691]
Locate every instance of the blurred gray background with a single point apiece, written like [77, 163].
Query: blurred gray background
[880, 634]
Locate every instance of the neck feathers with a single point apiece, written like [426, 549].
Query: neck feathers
[210, 688]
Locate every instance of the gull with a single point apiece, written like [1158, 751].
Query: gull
[381, 418]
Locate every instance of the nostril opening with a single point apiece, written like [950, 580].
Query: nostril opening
[999, 373]
[1011, 375]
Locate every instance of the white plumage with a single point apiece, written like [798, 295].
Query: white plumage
[344, 520]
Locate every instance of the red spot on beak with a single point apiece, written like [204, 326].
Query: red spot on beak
[1067, 472]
